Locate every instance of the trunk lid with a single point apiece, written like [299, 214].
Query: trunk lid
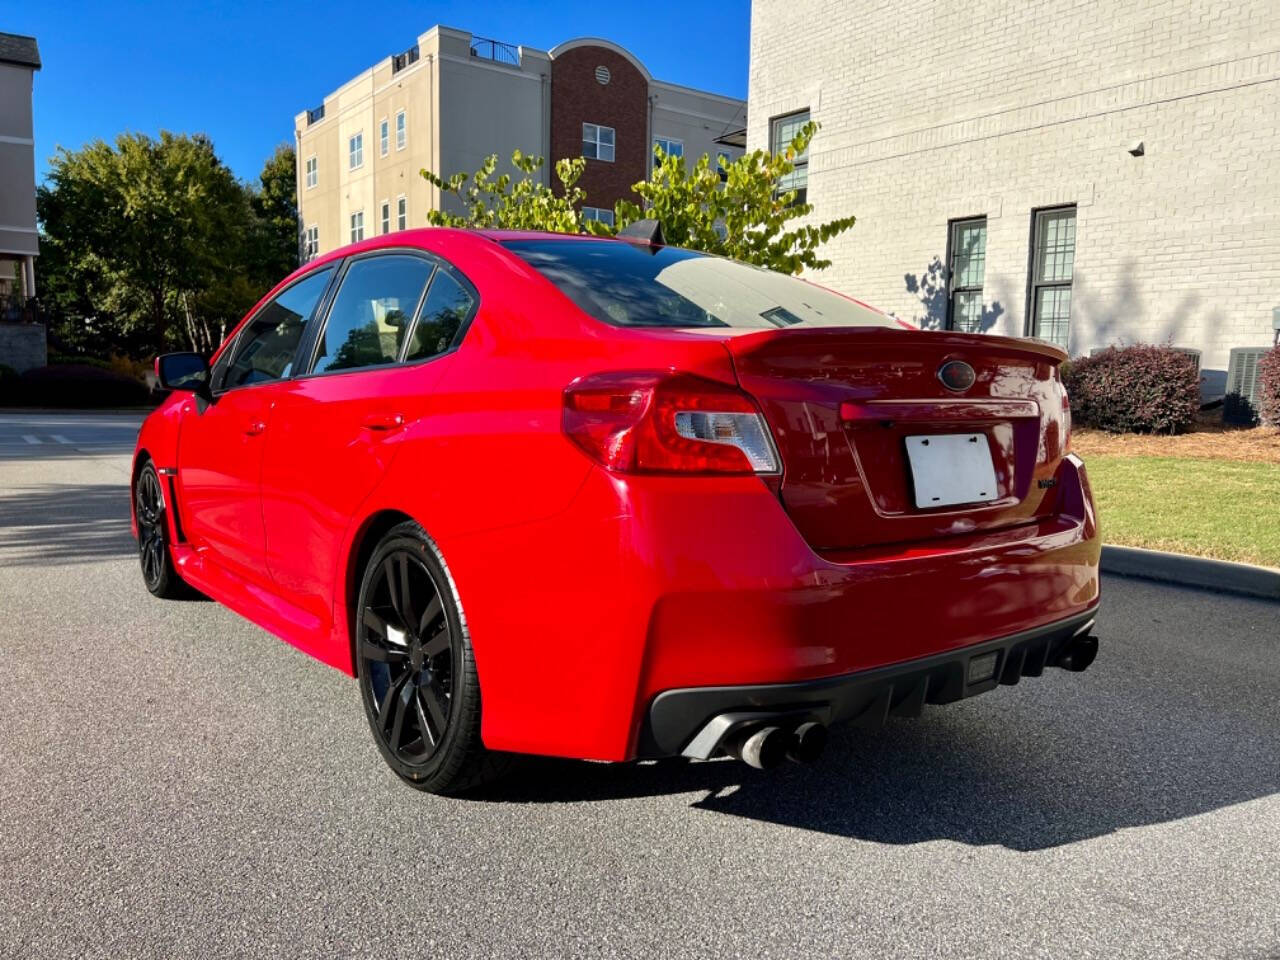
[842, 403]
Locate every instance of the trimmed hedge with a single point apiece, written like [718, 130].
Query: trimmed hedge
[73, 385]
[1269, 388]
[1137, 389]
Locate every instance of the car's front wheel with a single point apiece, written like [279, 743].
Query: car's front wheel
[416, 668]
[158, 572]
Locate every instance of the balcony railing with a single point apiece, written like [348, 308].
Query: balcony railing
[402, 60]
[315, 115]
[486, 49]
[15, 308]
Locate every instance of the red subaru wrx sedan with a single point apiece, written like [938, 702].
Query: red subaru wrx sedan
[609, 499]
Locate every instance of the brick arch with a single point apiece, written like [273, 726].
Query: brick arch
[623, 103]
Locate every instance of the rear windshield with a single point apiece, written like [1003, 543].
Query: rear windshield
[633, 285]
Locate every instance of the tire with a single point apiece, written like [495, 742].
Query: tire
[150, 509]
[416, 668]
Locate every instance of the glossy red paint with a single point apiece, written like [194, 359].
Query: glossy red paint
[608, 588]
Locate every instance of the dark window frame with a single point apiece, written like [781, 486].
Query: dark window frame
[953, 289]
[1033, 286]
[233, 343]
[802, 193]
[438, 263]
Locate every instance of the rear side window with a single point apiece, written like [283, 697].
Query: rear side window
[266, 347]
[370, 315]
[633, 285]
[443, 313]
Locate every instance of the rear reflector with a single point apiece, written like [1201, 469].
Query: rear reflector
[658, 422]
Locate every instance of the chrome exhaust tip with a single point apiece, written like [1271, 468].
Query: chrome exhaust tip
[1078, 654]
[763, 748]
[807, 742]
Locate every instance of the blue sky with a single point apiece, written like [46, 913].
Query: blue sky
[239, 71]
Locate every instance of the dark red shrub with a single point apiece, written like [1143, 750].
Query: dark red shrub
[1269, 388]
[76, 385]
[1138, 389]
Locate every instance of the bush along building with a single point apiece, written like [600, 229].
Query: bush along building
[1092, 174]
[451, 99]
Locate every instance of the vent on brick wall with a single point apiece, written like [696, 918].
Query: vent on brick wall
[1241, 402]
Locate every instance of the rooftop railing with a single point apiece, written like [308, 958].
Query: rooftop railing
[485, 49]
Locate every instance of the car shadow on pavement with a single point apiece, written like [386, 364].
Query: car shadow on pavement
[1049, 763]
[58, 524]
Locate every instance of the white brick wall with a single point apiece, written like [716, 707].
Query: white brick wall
[960, 108]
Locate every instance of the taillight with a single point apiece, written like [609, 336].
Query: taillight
[655, 422]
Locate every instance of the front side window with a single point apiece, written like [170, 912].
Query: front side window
[384, 138]
[670, 148]
[782, 130]
[401, 131]
[402, 213]
[357, 226]
[1052, 266]
[312, 172]
[311, 243]
[967, 268]
[597, 142]
[265, 348]
[629, 285]
[443, 313]
[386, 217]
[601, 214]
[355, 151]
[371, 312]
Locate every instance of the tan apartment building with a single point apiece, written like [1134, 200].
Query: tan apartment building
[1091, 173]
[22, 341]
[452, 99]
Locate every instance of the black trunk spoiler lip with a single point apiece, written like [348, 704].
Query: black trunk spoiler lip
[765, 341]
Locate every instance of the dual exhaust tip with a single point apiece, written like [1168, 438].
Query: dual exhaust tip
[766, 747]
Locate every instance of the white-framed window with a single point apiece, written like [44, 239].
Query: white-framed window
[1053, 260]
[671, 148]
[355, 151]
[310, 243]
[357, 226]
[313, 172]
[402, 212]
[384, 137]
[966, 271]
[602, 214]
[402, 130]
[782, 130]
[386, 216]
[597, 142]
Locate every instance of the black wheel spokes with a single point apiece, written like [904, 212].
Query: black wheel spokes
[407, 657]
[150, 507]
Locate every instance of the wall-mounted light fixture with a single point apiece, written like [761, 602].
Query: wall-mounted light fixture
[1137, 148]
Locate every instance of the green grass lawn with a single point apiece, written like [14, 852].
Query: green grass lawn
[1227, 509]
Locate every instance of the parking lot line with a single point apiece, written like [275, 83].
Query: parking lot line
[59, 438]
[31, 438]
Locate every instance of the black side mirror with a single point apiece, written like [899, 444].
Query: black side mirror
[184, 371]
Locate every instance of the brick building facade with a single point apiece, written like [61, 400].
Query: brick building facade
[1094, 173]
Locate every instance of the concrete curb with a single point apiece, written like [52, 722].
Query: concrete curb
[1240, 578]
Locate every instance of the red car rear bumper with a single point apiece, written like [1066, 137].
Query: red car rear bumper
[680, 583]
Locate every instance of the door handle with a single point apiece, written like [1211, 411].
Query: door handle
[255, 428]
[381, 422]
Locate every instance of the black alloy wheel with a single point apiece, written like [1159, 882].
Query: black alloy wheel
[158, 572]
[416, 669]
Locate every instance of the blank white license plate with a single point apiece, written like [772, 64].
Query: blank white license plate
[951, 468]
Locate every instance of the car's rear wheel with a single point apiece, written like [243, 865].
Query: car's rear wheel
[416, 668]
[158, 572]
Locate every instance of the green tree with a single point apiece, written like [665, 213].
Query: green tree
[734, 208]
[506, 203]
[276, 206]
[149, 244]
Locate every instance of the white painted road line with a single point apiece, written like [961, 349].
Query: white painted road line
[59, 438]
[31, 438]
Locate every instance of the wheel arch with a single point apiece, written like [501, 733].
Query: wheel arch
[365, 541]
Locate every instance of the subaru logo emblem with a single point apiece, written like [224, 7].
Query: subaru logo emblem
[957, 376]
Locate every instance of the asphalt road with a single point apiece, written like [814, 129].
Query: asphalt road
[174, 782]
